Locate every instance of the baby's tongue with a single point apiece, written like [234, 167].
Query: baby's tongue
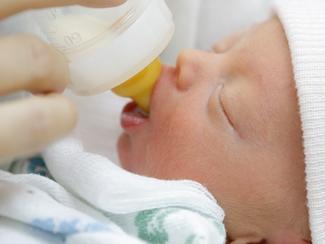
[142, 113]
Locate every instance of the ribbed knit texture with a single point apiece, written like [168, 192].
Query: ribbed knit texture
[304, 23]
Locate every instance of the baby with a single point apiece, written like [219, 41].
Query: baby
[230, 120]
[246, 120]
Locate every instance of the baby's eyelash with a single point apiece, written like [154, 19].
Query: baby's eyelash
[224, 110]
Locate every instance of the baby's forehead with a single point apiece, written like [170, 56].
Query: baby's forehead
[252, 31]
[264, 51]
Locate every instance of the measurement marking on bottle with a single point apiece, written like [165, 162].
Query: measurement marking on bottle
[53, 14]
[72, 39]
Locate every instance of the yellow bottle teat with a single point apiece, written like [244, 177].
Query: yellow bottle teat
[140, 86]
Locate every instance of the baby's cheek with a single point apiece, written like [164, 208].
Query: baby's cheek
[170, 160]
[177, 169]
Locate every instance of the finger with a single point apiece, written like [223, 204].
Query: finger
[28, 125]
[9, 7]
[27, 63]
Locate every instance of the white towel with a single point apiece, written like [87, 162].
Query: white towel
[95, 201]
[29, 213]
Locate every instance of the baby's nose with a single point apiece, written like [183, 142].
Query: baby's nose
[190, 66]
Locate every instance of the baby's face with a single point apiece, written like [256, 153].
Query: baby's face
[228, 119]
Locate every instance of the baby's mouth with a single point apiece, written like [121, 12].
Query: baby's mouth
[132, 116]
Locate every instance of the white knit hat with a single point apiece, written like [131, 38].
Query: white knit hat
[304, 23]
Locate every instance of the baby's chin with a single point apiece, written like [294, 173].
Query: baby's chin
[133, 159]
[129, 159]
[123, 148]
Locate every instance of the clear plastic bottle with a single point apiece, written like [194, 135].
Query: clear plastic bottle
[105, 47]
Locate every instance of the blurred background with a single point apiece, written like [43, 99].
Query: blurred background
[200, 23]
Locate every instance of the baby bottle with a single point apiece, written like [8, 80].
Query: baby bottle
[108, 48]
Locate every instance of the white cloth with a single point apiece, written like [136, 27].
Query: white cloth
[304, 22]
[98, 202]
[28, 211]
[110, 188]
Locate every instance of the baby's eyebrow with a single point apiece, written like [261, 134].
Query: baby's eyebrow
[228, 43]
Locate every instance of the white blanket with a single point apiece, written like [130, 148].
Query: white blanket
[97, 202]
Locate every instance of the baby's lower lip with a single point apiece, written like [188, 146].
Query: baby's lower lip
[132, 117]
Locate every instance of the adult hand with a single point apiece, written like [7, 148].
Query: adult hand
[27, 63]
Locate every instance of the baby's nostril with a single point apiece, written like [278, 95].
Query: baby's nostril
[186, 76]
